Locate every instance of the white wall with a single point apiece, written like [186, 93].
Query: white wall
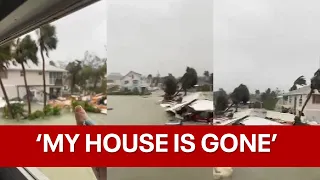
[14, 78]
[129, 78]
[312, 111]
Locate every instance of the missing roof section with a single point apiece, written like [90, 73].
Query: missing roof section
[8, 6]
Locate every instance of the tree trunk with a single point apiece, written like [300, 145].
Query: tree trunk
[177, 92]
[7, 99]
[44, 80]
[95, 83]
[27, 88]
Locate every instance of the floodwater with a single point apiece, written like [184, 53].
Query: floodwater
[140, 110]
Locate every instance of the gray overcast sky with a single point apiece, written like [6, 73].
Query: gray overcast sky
[145, 36]
[81, 31]
[265, 43]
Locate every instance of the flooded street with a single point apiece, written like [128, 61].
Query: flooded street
[139, 110]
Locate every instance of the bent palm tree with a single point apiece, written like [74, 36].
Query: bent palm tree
[25, 50]
[301, 81]
[5, 57]
[47, 41]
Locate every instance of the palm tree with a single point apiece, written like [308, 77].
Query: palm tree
[5, 57]
[47, 41]
[26, 50]
[301, 81]
[315, 85]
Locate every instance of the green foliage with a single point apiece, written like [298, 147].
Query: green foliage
[299, 81]
[35, 115]
[86, 106]
[170, 84]
[135, 91]
[103, 87]
[270, 103]
[74, 69]
[240, 94]
[189, 79]
[47, 110]
[47, 38]
[269, 99]
[56, 111]
[221, 101]
[16, 108]
[76, 103]
[315, 81]
[87, 74]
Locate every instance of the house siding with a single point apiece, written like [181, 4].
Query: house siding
[130, 78]
[14, 78]
[312, 110]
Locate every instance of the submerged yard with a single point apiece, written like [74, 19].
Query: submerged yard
[140, 110]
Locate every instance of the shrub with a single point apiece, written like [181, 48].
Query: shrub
[135, 91]
[17, 110]
[76, 103]
[48, 110]
[86, 106]
[36, 114]
[56, 111]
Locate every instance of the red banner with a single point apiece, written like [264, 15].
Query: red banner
[159, 146]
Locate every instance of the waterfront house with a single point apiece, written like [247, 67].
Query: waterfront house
[14, 83]
[133, 80]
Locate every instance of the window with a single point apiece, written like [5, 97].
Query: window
[40, 73]
[53, 76]
[315, 99]
[300, 100]
[289, 99]
[126, 82]
[135, 82]
[110, 81]
[21, 73]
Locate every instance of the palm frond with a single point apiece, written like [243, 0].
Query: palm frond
[300, 81]
[294, 87]
[47, 38]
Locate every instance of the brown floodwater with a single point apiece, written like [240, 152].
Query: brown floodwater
[139, 110]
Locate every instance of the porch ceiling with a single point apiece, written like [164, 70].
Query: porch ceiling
[33, 13]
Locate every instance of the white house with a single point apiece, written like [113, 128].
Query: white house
[133, 80]
[297, 98]
[14, 83]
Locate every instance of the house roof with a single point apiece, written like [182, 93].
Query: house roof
[130, 73]
[32, 67]
[114, 76]
[301, 91]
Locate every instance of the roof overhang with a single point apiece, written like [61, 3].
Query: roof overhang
[33, 13]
